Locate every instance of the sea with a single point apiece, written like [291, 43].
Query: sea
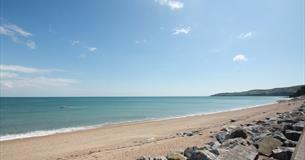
[33, 116]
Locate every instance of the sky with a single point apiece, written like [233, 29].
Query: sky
[149, 47]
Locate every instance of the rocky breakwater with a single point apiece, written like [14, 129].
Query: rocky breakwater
[270, 139]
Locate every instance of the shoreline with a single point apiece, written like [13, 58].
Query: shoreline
[42, 133]
[129, 141]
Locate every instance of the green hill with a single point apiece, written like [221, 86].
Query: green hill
[283, 91]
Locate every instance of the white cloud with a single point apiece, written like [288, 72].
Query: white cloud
[172, 4]
[182, 30]
[4, 75]
[10, 79]
[5, 31]
[92, 49]
[40, 81]
[74, 43]
[17, 30]
[246, 35]
[31, 44]
[22, 69]
[240, 58]
[17, 35]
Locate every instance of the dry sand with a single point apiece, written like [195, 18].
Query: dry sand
[131, 140]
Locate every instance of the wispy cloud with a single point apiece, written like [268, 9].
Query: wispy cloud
[22, 69]
[92, 49]
[17, 35]
[172, 4]
[4, 75]
[16, 76]
[246, 35]
[31, 44]
[40, 81]
[182, 30]
[240, 58]
[10, 29]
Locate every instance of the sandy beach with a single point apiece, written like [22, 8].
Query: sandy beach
[131, 140]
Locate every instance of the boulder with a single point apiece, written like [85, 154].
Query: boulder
[213, 146]
[189, 151]
[222, 136]
[277, 127]
[175, 156]
[299, 126]
[231, 143]
[238, 152]
[286, 125]
[203, 155]
[279, 135]
[293, 135]
[239, 132]
[288, 120]
[282, 153]
[290, 143]
[229, 128]
[267, 144]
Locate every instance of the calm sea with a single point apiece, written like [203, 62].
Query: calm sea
[27, 117]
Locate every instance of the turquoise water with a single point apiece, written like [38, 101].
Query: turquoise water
[26, 117]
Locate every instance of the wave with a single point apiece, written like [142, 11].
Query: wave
[47, 132]
[73, 129]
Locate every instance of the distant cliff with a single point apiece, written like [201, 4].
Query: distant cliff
[284, 91]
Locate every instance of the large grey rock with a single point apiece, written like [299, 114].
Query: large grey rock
[267, 144]
[229, 128]
[238, 152]
[279, 135]
[222, 136]
[175, 156]
[293, 135]
[299, 126]
[189, 151]
[286, 125]
[257, 132]
[290, 143]
[212, 147]
[288, 120]
[203, 155]
[239, 132]
[282, 153]
[231, 143]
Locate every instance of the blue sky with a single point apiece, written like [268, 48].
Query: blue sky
[149, 47]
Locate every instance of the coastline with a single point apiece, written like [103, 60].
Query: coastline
[130, 140]
[42, 133]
